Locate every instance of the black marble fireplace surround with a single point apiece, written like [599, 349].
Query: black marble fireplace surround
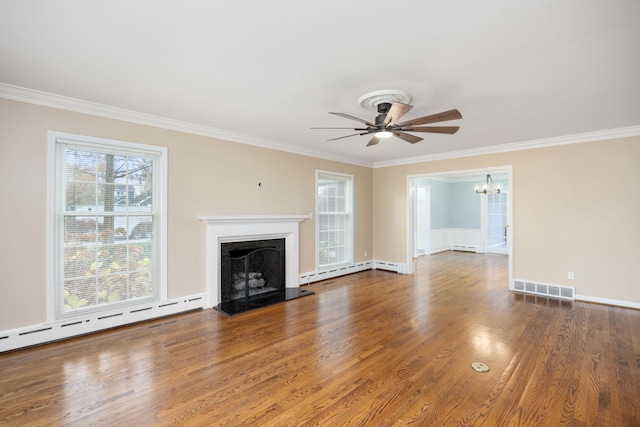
[252, 275]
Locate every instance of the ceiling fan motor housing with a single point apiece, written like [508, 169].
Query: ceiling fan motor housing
[384, 107]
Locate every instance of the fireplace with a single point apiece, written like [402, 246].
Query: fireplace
[252, 270]
[239, 235]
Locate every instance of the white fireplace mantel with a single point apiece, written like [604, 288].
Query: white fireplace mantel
[236, 228]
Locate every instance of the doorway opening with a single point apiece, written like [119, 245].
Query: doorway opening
[445, 213]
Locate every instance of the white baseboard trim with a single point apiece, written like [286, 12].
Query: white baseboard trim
[48, 332]
[608, 301]
[439, 249]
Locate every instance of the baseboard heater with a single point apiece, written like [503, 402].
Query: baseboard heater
[55, 331]
[316, 276]
[388, 266]
[464, 248]
[544, 289]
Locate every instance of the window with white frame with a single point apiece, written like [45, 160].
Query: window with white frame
[334, 219]
[108, 227]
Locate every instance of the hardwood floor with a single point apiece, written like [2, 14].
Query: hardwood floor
[373, 348]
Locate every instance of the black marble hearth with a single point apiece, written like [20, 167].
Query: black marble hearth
[234, 307]
[253, 276]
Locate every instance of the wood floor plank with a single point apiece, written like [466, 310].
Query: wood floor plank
[373, 348]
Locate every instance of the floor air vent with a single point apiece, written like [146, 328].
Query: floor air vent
[554, 291]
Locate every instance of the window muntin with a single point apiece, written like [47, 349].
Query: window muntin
[497, 220]
[107, 233]
[334, 205]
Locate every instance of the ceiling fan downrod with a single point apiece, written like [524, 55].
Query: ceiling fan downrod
[383, 109]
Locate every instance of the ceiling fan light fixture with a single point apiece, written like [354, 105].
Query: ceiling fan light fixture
[384, 134]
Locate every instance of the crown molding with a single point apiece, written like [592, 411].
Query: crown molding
[47, 99]
[517, 146]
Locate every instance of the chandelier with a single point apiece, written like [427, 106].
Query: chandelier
[489, 187]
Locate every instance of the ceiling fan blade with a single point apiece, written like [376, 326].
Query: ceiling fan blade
[434, 118]
[434, 129]
[412, 139]
[346, 116]
[346, 136]
[342, 128]
[373, 141]
[396, 111]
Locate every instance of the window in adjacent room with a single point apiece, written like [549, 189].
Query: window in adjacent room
[108, 230]
[334, 219]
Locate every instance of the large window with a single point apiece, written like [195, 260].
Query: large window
[108, 224]
[334, 205]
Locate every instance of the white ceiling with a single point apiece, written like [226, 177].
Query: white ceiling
[269, 71]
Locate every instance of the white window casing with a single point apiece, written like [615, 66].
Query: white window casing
[106, 225]
[334, 219]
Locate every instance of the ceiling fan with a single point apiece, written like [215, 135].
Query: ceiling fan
[387, 125]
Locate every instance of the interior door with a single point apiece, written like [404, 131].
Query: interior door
[495, 225]
[423, 222]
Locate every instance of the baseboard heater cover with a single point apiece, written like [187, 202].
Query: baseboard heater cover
[465, 248]
[316, 276]
[389, 266]
[55, 331]
[545, 289]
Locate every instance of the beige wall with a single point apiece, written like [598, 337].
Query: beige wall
[575, 208]
[206, 177]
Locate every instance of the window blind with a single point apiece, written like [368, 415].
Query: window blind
[334, 219]
[106, 227]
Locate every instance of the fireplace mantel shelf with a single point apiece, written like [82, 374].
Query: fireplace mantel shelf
[231, 219]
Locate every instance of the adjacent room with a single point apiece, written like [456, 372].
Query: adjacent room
[343, 213]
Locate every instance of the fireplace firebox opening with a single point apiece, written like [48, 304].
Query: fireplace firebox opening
[252, 275]
[252, 270]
